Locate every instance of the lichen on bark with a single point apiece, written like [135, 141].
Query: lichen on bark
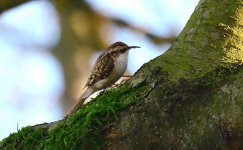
[188, 98]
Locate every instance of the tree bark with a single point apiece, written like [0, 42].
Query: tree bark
[5, 5]
[188, 98]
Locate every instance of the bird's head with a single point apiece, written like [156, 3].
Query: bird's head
[118, 48]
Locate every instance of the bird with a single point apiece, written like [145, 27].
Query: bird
[108, 68]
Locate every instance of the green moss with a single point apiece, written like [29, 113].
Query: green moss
[206, 42]
[205, 57]
[210, 107]
[82, 130]
[27, 138]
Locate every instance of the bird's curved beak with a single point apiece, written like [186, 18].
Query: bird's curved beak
[130, 47]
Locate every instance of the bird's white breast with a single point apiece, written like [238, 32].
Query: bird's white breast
[121, 64]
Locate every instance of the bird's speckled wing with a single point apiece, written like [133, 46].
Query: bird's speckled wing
[101, 70]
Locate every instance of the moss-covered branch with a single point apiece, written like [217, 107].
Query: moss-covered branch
[188, 98]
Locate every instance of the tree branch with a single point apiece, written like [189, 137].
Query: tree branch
[188, 98]
[5, 5]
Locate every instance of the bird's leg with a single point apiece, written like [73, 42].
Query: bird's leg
[103, 91]
[123, 80]
[115, 85]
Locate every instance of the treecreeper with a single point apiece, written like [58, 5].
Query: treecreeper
[109, 68]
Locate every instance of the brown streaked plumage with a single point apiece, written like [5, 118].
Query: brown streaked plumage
[108, 68]
[100, 71]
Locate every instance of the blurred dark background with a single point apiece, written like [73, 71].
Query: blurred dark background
[47, 49]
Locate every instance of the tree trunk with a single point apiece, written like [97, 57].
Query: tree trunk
[5, 5]
[188, 98]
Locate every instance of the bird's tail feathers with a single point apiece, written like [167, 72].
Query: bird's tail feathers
[77, 106]
[87, 91]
